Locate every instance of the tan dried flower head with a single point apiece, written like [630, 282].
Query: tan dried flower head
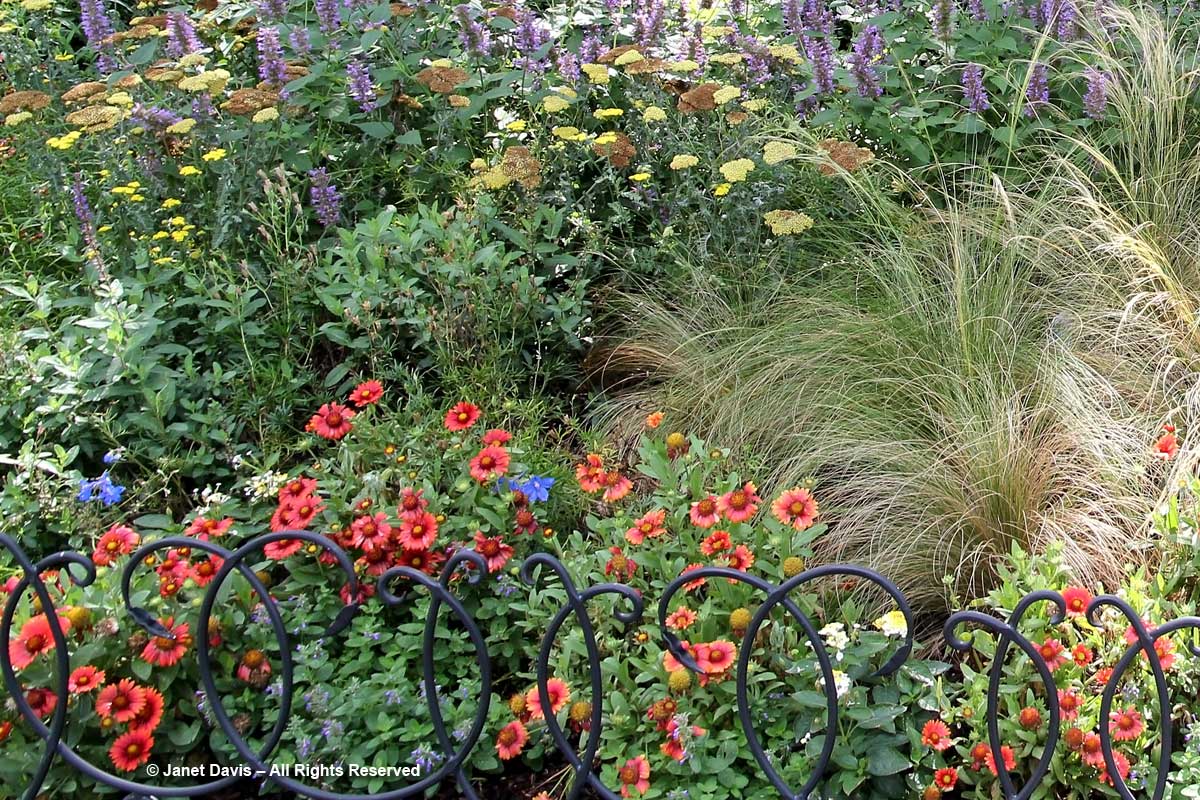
[521, 167]
[408, 101]
[846, 155]
[86, 92]
[698, 99]
[244, 102]
[402, 10]
[615, 53]
[646, 66]
[443, 80]
[95, 118]
[508, 12]
[158, 21]
[24, 101]
[617, 149]
[163, 74]
[129, 81]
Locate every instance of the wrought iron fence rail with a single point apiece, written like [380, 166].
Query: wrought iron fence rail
[82, 571]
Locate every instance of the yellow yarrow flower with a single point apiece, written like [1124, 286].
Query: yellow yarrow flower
[640, 177]
[265, 115]
[653, 114]
[566, 91]
[188, 170]
[13, 120]
[722, 189]
[684, 161]
[608, 137]
[569, 133]
[737, 170]
[64, 142]
[159, 235]
[757, 104]
[684, 65]
[728, 59]
[171, 202]
[193, 60]
[775, 152]
[596, 73]
[215, 154]
[516, 126]
[120, 99]
[65, 57]
[785, 52]
[629, 57]
[725, 94]
[183, 127]
[715, 31]
[605, 113]
[787, 223]
[442, 63]
[552, 104]
[35, 5]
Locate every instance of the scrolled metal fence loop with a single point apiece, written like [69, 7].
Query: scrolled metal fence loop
[628, 611]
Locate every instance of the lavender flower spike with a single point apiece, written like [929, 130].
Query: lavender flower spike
[1095, 100]
[974, 93]
[1037, 93]
[326, 200]
[359, 86]
[476, 39]
[181, 36]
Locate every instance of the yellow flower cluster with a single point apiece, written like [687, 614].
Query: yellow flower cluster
[725, 94]
[64, 142]
[776, 152]
[129, 191]
[212, 81]
[629, 57]
[569, 133]
[215, 154]
[183, 127]
[787, 223]
[596, 73]
[188, 170]
[653, 114]
[265, 115]
[684, 161]
[553, 104]
[605, 113]
[12, 120]
[737, 170]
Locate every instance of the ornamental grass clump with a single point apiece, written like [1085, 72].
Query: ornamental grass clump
[926, 384]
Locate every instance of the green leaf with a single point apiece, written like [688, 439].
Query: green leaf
[886, 760]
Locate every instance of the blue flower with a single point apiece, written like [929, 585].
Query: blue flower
[536, 487]
[102, 489]
[112, 456]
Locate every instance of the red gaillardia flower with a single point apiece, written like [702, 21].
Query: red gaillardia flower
[119, 540]
[42, 701]
[681, 618]
[716, 542]
[1006, 752]
[254, 666]
[1125, 724]
[148, 717]
[796, 507]
[559, 694]
[1069, 704]
[715, 657]
[511, 740]
[332, 421]
[164, 652]
[366, 394]
[590, 473]
[1167, 445]
[740, 504]
[205, 570]
[1076, 600]
[1053, 653]
[85, 679]
[619, 565]
[417, 531]
[490, 463]
[461, 417]
[494, 550]
[34, 639]
[203, 527]
[370, 531]
[121, 700]
[1029, 718]
[936, 735]
[497, 436]
[131, 750]
[1123, 767]
[282, 548]
[704, 513]
[616, 486]
[635, 776]
[946, 778]
[650, 526]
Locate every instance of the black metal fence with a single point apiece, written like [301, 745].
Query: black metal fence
[82, 571]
